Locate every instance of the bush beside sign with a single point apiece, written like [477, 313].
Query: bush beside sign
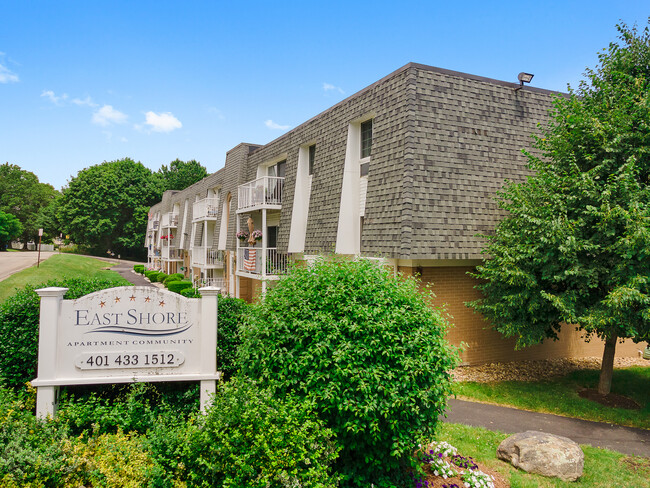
[122, 335]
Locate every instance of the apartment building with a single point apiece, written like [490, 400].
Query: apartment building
[403, 171]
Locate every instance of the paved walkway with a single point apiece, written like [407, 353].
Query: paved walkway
[511, 420]
[125, 270]
[12, 262]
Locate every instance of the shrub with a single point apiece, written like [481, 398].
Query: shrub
[231, 313]
[161, 277]
[173, 277]
[152, 275]
[177, 286]
[250, 438]
[190, 293]
[139, 268]
[367, 349]
[19, 321]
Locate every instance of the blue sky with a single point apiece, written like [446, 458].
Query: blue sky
[87, 82]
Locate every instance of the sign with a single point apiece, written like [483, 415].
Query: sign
[122, 335]
[40, 232]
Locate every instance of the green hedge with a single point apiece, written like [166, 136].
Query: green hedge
[19, 318]
[152, 275]
[139, 268]
[161, 277]
[177, 286]
[173, 277]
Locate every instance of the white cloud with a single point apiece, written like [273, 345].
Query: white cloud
[7, 76]
[107, 115]
[272, 125]
[162, 122]
[52, 97]
[86, 101]
[329, 87]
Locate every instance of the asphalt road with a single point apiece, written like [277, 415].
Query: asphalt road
[12, 262]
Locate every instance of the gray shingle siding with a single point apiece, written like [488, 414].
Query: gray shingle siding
[443, 143]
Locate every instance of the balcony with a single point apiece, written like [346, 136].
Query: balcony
[265, 192]
[249, 260]
[171, 254]
[207, 257]
[206, 209]
[218, 282]
[170, 219]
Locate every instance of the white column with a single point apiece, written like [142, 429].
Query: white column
[264, 244]
[47, 397]
[208, 336]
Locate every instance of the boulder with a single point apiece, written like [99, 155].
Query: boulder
[545, 454]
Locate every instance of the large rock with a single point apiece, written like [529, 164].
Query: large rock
[545, 454]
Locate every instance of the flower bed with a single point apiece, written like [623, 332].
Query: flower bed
[445, 468]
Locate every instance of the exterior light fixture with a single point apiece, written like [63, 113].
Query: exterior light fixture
[523, 78]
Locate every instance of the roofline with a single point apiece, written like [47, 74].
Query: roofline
[398, 71]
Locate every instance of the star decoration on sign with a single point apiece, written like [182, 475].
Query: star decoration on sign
[132, 297]
[117, 299]
[162, 303]
[147, 299]
[102, 304]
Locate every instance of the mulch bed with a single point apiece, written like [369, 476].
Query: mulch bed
[610, 400]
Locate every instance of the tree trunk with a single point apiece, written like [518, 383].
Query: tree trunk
[607, 367]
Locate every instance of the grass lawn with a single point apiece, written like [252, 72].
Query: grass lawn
[58, 266]
[560, 395]
[603, 468]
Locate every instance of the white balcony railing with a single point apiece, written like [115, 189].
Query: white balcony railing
[208, 208]
[249, 260]
[206, 257]
[218, 282]
[171, 254]
[260, 192]
[170, 219]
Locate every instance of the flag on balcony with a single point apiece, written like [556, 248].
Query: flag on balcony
[250, 258]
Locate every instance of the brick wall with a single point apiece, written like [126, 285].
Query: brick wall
[453, 287]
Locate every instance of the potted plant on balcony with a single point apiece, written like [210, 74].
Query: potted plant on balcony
[242, 235]
[257, 235]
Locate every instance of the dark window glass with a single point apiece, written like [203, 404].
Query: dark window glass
[363, 169]
[366, 138]
[272, 236]
[280, 167]
[312, 157]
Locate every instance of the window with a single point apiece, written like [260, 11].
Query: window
[366, 138]
[278, 169]
[272, 236]
[312, 157]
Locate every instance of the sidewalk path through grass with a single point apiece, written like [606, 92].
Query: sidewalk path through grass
[627, 440]
[12, 262]
[125, 270]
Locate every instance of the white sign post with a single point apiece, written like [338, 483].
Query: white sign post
[124, 335]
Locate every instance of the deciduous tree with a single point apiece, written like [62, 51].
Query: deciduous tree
[181, 174]
[22, 195]
[575, 246]
[10, 229]
[105, 206]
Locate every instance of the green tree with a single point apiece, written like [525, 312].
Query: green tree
[367, 349]
[574, 248]
[10, 229]
[181, 174]
[22, 195]
[105, 206]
